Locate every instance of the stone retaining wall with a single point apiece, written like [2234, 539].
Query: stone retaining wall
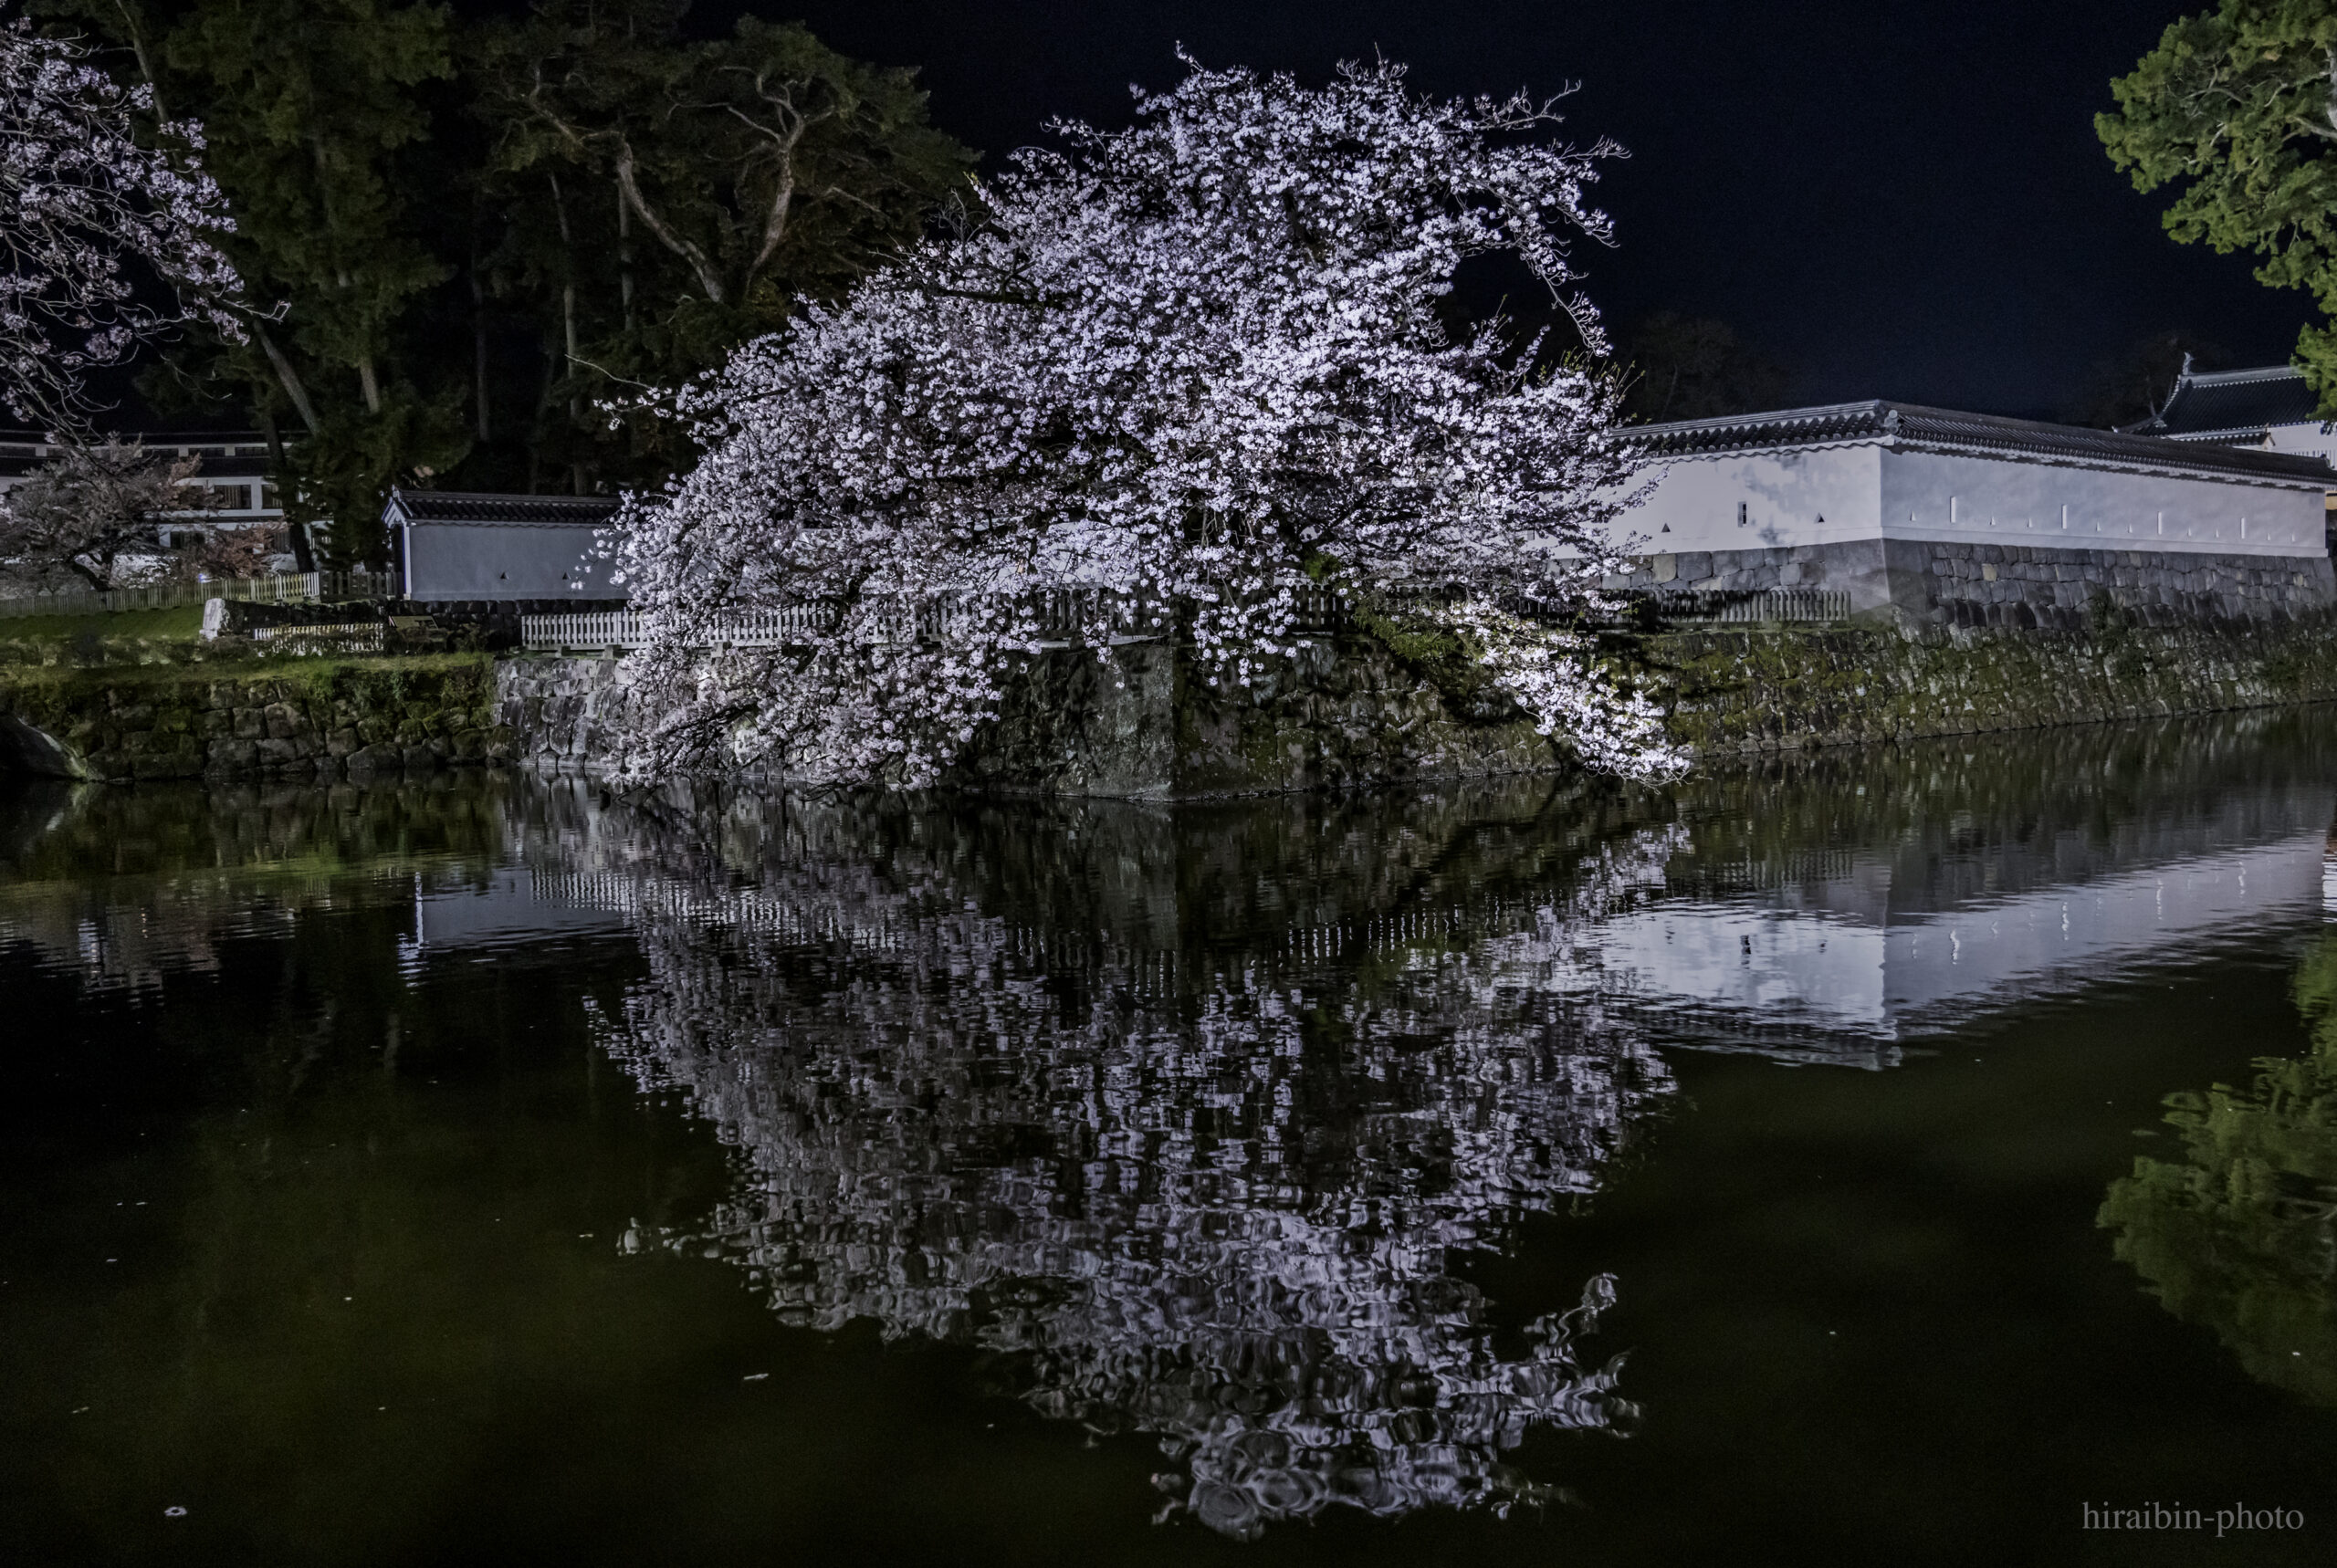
[1766, 691]
[1347, 712]
[1343, 712]
[2027, 587]
[321, 722]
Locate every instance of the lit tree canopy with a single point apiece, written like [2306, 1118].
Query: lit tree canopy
[1186, 369]
[2238, 109]
[104, 245]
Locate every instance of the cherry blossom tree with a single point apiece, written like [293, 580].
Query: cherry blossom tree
[1177, 378]
[90, 512]
[105, 245]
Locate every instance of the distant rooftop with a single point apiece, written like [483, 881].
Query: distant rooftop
[224, 452]
[484, 506]
[1937, 429]
[2234, 405]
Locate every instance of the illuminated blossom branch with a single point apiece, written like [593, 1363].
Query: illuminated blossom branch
[1177, 376]
[79, 198]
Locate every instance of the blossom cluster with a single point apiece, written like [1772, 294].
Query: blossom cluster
[1181, 373]
[80, 196]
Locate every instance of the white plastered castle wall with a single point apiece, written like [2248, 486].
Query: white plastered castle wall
[1842, 495]
[1968, 498]
[1826, 495]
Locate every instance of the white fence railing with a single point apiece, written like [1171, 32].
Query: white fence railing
[1062, 618]
[279, 588]
[1059, 617]
[1751, 609]
[339, 637]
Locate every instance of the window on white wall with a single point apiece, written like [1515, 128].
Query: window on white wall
[1742, 517]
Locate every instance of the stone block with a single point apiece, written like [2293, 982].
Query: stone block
[281, 721]
[166, 765]
[368, 758]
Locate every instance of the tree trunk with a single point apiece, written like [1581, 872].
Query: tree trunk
[567, 295]
[568, 324]
[288, 376]
[624, 259]
[478, 352]
[294, 534]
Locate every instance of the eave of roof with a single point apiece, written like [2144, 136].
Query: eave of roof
[458, 507]
[1880, 421]
[2235, 404]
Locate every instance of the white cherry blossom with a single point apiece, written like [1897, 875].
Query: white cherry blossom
[1175, 378]
[90, 224]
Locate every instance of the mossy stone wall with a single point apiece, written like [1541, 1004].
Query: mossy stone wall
[1350, 710]
[322, 720]
[1771, 690]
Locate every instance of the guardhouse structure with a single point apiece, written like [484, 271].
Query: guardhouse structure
[1928, 516]
[2271, 408]
[528, 552]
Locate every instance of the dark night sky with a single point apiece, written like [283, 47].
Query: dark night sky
[1897, 200]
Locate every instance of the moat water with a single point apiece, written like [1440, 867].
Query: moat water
[1876, 1157]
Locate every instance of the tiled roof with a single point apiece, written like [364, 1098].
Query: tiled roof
[459, 506]
[226, 454]
[1911, 424]
[2234, 405]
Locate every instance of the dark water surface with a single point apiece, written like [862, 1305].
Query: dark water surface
[1779, 1168]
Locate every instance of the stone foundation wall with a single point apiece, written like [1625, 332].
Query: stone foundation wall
[1343, 712]
[324, 722]
[1741, 692]
[2027, 587]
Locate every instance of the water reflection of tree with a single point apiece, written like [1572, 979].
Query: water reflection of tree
[2241, 1235]
[1211, 1196]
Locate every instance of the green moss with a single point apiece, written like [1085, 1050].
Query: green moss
[182, 623]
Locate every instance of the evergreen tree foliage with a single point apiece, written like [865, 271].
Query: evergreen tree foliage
[1692, 366]
[460, 239]
[320, 136]
[2237, 111]
[665, 200]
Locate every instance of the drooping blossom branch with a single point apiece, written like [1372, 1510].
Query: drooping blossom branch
[1189, 371]
[105, 245]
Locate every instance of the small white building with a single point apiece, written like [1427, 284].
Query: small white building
[455, 547]
[234, 474]
[1932, 516]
